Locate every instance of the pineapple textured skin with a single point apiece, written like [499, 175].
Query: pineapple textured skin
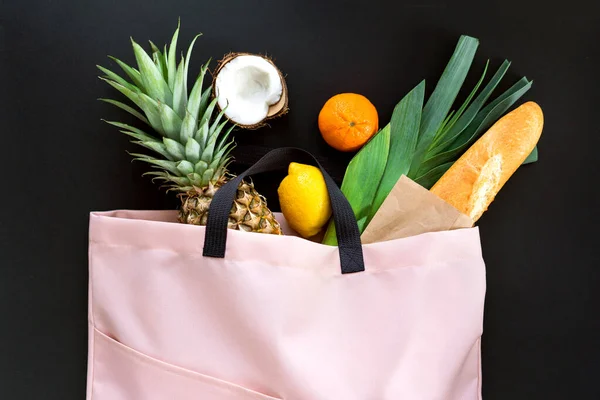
[249, 211]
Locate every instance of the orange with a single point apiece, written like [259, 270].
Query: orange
[347, 121]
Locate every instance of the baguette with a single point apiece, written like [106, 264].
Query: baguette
[473, 181]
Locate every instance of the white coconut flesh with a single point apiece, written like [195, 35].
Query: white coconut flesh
[246, 87]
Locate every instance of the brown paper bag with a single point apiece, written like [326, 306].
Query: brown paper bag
[410, 210]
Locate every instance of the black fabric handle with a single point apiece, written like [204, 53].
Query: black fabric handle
[348, 234]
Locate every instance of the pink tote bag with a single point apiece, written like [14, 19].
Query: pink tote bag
[204, 313]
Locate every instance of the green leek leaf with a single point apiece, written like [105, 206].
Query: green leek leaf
[533, 157]
[472, 111]
[484, 119]
[431, 177]
[362, 180]
[443, 96]
[492, 112]
[458, 115]
[404, 132]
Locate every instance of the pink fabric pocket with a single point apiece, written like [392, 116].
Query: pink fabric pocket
[122, 373]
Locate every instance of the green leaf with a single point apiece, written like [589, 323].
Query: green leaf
[201, 135]
[192, 150]
[180, 181]
[216, 130]
[170, 121]
[472, 111]
[157, 147]
[200, 167]
[196, 180]
[149, 106]
[151, 109]
[125, 107]
[222, 155]
[215, 124]
[132, 73]
[175, 148]
[196, 96]
[362, 179]
[159, 60]
[531, 158]
[166, 57]
[458, 114]
[430, 178]
[187, 63]
[159, 63]
[130, 94]
[404, 131]
[164, 164]
[209, 149]
[188, 128]
[443, 96]
[484, 119]
[209, 110]
[179, 93]
[172, 61]
[225, 136]
[492, 112]
[154, 48]
[155, 85]
[204, 102]
[185, 167]
[111, 75]
[141, 135]
[207, 176]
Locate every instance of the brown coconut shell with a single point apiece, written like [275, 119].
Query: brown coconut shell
[276, 110]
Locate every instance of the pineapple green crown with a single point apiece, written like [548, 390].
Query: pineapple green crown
[193, 146]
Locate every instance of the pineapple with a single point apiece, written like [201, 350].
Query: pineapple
[193, 150]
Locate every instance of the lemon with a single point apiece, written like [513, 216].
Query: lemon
[304, 199]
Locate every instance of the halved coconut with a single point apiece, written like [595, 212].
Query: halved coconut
[250, 88]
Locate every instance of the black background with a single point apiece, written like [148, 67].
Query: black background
[59, 161]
